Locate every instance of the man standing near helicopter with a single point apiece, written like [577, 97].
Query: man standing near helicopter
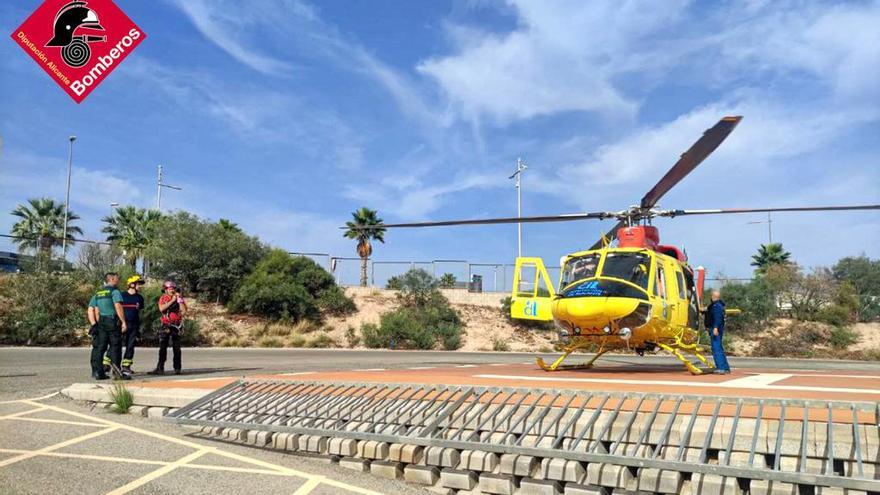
[715, 327]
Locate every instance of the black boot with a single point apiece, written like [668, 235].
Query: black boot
[100, 376]
[157, 371]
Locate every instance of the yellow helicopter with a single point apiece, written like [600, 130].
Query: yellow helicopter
[639, 295]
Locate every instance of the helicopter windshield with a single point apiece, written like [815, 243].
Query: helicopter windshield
[632, 267]
[579, 269]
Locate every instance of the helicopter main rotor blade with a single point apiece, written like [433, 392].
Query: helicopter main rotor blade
[489, 221]
[720, 211]
[691, 158]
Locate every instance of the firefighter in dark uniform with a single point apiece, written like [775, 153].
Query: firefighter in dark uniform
[108, 326]
[132, 305]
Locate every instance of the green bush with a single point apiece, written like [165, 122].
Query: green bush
[424, 320]
[447, 281]
[394, 283]
[41, 308]
[209, 259]
[270, 342]
[843, 337]
[836, 315]
[755, 299]
[291, 288]
[351, 337]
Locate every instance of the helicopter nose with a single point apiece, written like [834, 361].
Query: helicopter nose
[594, 312]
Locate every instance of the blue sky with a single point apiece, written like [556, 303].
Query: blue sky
[286, 115]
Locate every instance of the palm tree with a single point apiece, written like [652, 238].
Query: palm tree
[228, 225]
[768, 255]
[42, 226]
[131, 229]
[359, 228]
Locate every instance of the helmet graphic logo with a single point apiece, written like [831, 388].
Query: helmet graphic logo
[74, 47]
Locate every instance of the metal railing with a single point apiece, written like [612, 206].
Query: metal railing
[806, 442]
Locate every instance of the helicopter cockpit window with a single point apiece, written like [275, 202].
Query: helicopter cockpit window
[579, 269]
[632, 267]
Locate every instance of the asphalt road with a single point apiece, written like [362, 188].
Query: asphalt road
[54, 444]
[30, 372]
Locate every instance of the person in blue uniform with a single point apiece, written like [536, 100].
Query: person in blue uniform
[715, 327]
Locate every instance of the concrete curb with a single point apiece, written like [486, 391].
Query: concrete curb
[143, 396]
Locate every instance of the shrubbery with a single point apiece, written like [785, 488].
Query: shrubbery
[209, 259]
[424, 320]
[43, 309]
[290, 288]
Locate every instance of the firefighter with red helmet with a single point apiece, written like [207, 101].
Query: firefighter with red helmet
[172, 308]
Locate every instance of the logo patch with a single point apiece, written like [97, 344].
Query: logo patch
[78, 43]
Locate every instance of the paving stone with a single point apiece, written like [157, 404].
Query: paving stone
[610, 475]
[342, 446]
[458, 479]
[442, 456]
[477, 460]
[292, 443]
[659, 480]
[385, 469]
[519, 465]
[137, 410]
[410, 454]
[421, 475]
[827, 490]
[741, 459]
[371, 449]
[312, 443]
[578, 489]
[766, 487]
[713, 484]
[501, 484]
[355, 464]
[156, 412]
[531, 486]
[279, 440]
[562, 470]
[259, 438]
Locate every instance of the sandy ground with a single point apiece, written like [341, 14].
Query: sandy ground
[483, 327]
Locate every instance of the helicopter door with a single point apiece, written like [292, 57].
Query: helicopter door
[532, 293]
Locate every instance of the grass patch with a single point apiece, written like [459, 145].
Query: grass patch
[843, 337]
[320, 341]
[352, 337]
[269, 341]
[296, 341]
[545, 349]
[121, 398]
[499, 345]
[233, 342]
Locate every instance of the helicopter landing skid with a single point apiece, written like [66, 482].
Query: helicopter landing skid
[558, 366]
[687, 362]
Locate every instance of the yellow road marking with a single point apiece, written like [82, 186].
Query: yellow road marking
[23, 413]
[206, 449]
[53, 394]
[143, 480]
[308, 486]
[56, 421]
[57, 446]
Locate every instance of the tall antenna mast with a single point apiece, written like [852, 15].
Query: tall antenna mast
[520, 168]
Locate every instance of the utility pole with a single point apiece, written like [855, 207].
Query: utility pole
[159, 186]
[520, 168]
[67, 204]
[769, 223]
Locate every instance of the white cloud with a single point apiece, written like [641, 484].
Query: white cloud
[563, 56]
[223, 25]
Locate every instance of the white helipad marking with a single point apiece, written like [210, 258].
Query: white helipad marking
[422, 368]
[497, 364]
[760, 380]
[466, 366]
[680, 383]
[372, 369]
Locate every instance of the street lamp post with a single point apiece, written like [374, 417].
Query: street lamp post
[769, 223]
[67, 203]
[159, 186]
[520, 168]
